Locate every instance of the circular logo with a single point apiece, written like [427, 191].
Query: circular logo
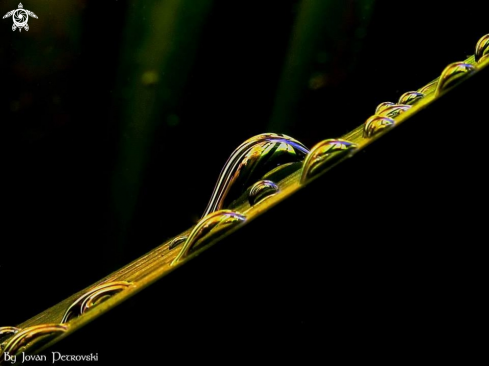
[20, 18]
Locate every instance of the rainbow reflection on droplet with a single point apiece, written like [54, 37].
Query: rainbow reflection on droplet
[209, 229]
[453, 74]
[249, 163]
[261, 190]
[376, 124]
[323, 156]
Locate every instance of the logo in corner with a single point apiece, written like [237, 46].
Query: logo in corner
[20, 17]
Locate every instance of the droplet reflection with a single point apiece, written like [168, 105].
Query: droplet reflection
[411, 98]
[452, 75]
[382, 106]
[210, 228]
[261, 190]
[92, 298]
[324, 155]
[375, 125]
[394, 110]
[249, 163]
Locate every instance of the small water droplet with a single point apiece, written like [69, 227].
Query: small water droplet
[394, 110]
[482, 48]
[411, 98]
[323, 156]
[92, 298]
[261, 190]
[210, 228]
[383, 106]
[452, 75]
[176, 242]
[376, 124]
[249, 163]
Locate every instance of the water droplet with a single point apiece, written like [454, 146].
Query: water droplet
[31, 338]
[176, 242]
[394, 110]
[261, 190]
[376, 124]
[92, 298]
[383, 106]
[249, 163]
[210, 228]
[453, 74]
[482, 48]
[429, 88]
[411, 98]
[324, 155]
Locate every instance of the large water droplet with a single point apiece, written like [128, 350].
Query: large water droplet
[324, 155]
[482, 48]
[209, 229]
[452, 75]
[92, 298]
[394, 110]
[30, 339]
[411, 98]
[376, 124]
[261, 190]
[249, 163]
[382, 106]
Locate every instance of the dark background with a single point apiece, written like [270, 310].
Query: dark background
[117, 116]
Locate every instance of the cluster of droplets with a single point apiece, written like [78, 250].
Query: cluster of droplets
[252, 156]
[387, 112]
[255, 168]
[16, 340]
